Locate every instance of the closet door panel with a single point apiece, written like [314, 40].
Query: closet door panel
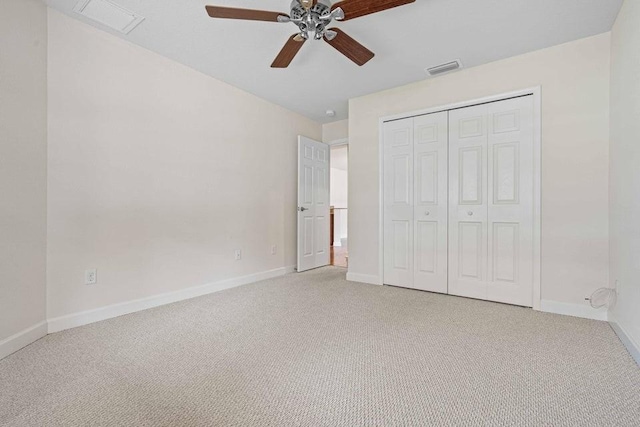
[398, 171]
[510, 207]
[468, 202]
[430, 207]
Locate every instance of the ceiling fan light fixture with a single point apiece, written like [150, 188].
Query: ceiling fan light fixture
[337, 14]
[330, 35]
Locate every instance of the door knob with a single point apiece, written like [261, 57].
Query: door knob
[470, 213]
[427, 213]
[302, 209]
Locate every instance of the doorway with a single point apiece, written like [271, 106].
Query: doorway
[338, 194]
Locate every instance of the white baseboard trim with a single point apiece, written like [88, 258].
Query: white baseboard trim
[363, 278]
[632, 347]
[91, 316]
[22, 339]
[575, 310]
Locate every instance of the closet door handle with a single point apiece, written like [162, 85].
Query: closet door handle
[427, 213]
[470, 213]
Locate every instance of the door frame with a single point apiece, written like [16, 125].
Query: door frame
[536, 92]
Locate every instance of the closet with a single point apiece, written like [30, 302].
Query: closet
[458, 190]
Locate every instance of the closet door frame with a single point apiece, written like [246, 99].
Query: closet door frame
[536, 92]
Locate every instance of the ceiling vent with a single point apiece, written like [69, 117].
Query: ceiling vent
[444, 68]
[109, 14]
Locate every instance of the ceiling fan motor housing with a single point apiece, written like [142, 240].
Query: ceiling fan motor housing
[312, 22]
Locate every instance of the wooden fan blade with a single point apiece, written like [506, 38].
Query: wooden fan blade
[288, 52]
[357, 8]
[349, 47]
[250, 14]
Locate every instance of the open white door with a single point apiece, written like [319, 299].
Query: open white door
[313, 204]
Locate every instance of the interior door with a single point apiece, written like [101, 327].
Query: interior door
[491, 201]
[430, 151]
[313, 204]
[398, 203]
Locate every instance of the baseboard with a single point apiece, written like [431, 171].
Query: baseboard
[363, 278]
[632, 346]
[575, 310]
[22, 339]
[91, 316]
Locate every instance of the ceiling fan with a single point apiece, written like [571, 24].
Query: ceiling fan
[312, 18]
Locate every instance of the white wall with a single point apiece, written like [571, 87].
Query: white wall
[575, 133]
[157, 173]
[339, 188]
[625, 168]
[23, 163]
[339, 194]
[335, 131]
[339, 176]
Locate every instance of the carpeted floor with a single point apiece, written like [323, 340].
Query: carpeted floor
[314, 350]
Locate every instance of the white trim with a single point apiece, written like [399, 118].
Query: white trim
[338, 142]
[380, 200]
[90, 316]
[364, 278]
[632, 347]
[537, 197]
[463, 104]
[22, 339]
[536, 92]
[576, 310]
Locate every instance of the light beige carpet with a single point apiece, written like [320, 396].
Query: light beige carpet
[314, 350]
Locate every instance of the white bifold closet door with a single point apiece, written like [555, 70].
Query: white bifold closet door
[415, 202]
[491, 201]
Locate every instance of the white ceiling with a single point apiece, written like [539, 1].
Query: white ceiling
[406, 40]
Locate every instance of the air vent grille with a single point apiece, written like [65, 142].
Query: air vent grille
[444, 68]
[109, 14]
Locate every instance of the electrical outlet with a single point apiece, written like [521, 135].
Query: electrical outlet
[91, 277]
[238, 254]
[274, 249]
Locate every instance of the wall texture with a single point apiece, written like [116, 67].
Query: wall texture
[625, 168]
[23, 164]
[339, 190]
[335, 131]
[157, 173]
[575, 132]
[339, 176]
